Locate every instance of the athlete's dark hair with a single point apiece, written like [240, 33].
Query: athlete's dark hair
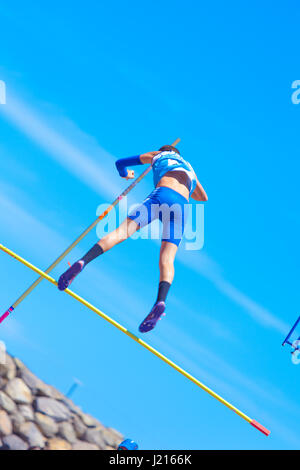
[169, 148]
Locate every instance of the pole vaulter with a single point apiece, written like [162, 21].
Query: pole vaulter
[78, 240]
[179, 369]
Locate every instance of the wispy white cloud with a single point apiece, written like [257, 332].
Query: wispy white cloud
[82, 156]
[23, 226]
[211, 324]
[214, 362]
[209, 269]
[256, 311]
[15, 168]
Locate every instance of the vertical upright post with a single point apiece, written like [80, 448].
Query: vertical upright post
[286, 341]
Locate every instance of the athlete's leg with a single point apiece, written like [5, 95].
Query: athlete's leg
[140, 217]
[127, 228]
[166, 266]
[172, 215]
[168, 252]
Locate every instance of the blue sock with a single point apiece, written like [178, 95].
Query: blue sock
[93, 253]
[163, 290]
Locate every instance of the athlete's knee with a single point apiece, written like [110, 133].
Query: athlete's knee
[121, 233]
[110, 240]
[166, 263]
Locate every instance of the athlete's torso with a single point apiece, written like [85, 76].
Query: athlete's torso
[176, 180]
[172, 171]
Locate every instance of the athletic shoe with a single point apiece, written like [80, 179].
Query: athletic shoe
[68, 277]
[153, 317]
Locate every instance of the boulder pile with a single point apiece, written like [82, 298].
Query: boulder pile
[36, 416]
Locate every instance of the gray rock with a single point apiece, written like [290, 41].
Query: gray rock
[67, 432]
[6, 403]
[90, 421]
[19, 364]
[82, 445]
[14, 442]
[112, 438]
[18, 391]
[32, 434]
[94, 436]
[37, 386]
[17, 419]
[79, 427]
[27, 412]
[55, 409]
[74, 408]
[117, 434]
[46, 424]
[3, 382]
[54, 393]
[58, 444]
[5, 424]
[12, 370]
[31, 380]
[8, 368]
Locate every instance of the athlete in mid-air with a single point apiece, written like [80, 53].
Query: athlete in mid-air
[175, 182]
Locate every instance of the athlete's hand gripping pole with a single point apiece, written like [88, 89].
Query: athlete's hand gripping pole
[78, 240]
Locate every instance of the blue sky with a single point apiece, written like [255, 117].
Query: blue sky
[89, 83]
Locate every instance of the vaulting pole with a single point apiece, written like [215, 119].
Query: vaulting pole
[141, 342]
[78, 240]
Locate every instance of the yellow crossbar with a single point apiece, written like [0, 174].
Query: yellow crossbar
[141, 342]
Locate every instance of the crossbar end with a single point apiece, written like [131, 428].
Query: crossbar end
[260, 427]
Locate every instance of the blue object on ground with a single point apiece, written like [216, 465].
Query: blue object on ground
[128, 444]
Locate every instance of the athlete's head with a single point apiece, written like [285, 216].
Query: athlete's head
[169, 148]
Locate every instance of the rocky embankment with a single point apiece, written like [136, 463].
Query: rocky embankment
[34, 415]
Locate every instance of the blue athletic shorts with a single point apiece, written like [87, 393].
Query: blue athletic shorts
[169, 207]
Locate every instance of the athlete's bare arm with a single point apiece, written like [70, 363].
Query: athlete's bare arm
[199, 194]
[148, 157]
[145, 158]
